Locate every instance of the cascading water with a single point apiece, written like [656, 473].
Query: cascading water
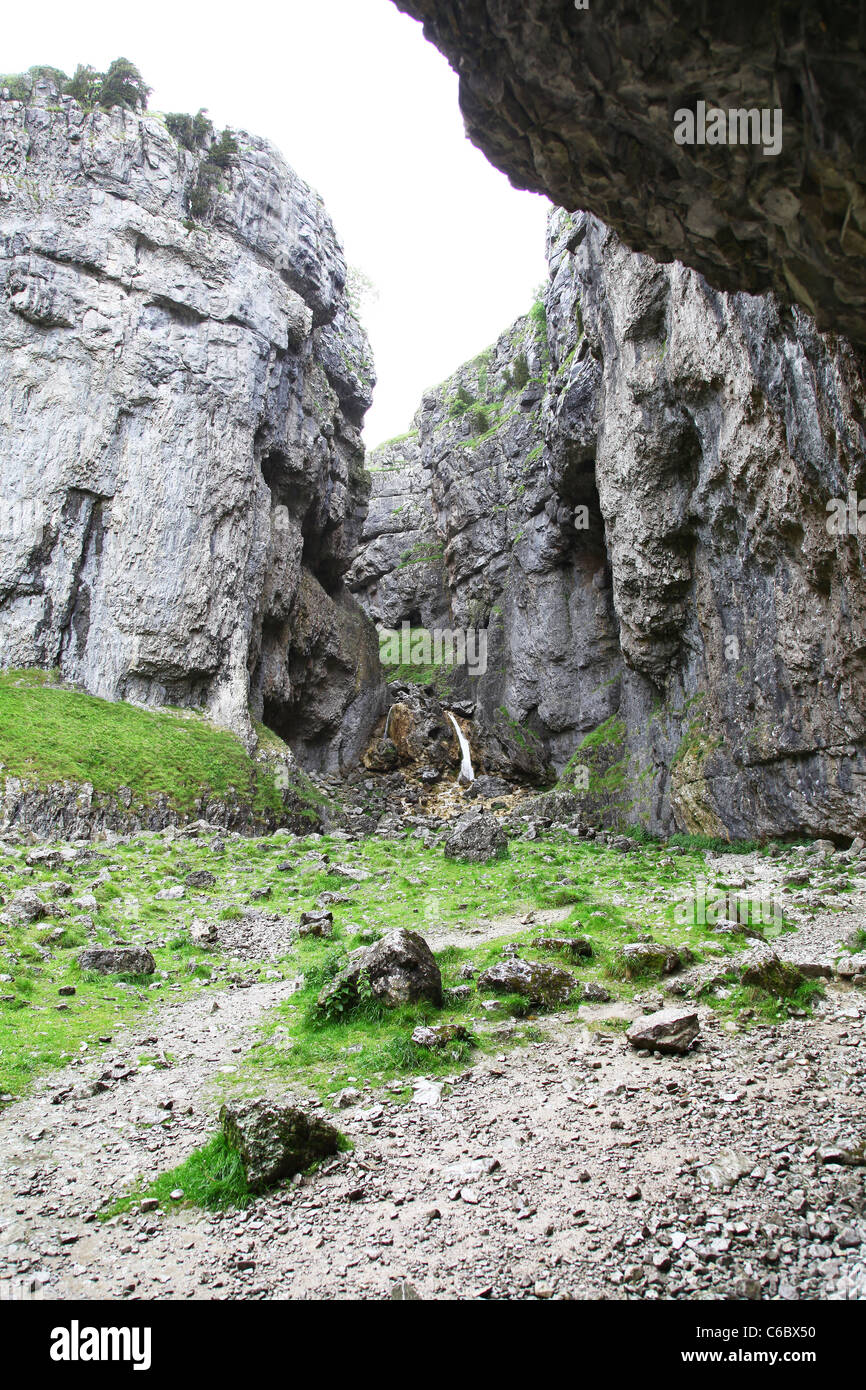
[467, 772]
[388, 722]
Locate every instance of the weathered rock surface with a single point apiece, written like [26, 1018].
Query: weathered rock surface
[668, 1030]
[764, 969]
[643, 533]
[542, 984]
[579, 103]
[399, 969]
[117, 960]
[649, 958]
[275, 1140]
[477, 837]
[181, 407]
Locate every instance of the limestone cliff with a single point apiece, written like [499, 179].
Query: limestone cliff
[642, 526]
[579, 101]
[180, 413]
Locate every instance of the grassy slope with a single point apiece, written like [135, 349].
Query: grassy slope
[50, 734]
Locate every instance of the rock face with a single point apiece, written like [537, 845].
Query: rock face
[580, 104]
[399, 969]
[645, 530]
[274, 1140]
[180, 405]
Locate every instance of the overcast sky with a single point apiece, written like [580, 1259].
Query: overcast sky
[366, 111]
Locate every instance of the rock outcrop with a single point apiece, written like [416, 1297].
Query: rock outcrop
[180, 411]
[579, 102]
[632, 494]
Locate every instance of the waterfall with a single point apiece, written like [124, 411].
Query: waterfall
[467, 773]
[388, 721]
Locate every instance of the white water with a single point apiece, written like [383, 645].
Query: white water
[467, 772]
[388, 722]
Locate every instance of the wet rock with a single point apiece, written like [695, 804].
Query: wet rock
[399, 969]
[117, 960]
[543, 985]
[669, 1030]
[274, 1140]
[477, 837]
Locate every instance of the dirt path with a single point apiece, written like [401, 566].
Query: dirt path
[573, 1167]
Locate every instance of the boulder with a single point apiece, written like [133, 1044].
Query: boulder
[117, 960]
[477, 837]
[669, 1030]
[487, 787]
[399, 969]
[439, 1035]
[26, 906]
[200, 878]
[541, 984]
[766, 970]
[649, 958]
[275, 1140]
[203, 933]
[592, 993]
[316, 923]
[568, 945]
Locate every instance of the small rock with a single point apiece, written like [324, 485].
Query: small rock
[669, 1030]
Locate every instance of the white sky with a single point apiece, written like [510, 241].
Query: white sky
[366, 111]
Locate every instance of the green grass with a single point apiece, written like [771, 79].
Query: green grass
[748, 1005]
[51, 734]
[212, 1178]
[607, 896]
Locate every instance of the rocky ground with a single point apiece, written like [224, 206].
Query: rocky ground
[556, 1161]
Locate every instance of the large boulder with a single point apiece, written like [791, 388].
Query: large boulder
[669, 1030]
[542, 984]
[26, 906]
[399, 969]
[477, 837]
[767, 971]
[274, 1140]
[649, 958]
[117, 960]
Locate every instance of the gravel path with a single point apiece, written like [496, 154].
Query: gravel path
[571, 1168]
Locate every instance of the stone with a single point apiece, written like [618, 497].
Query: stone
[316, 923]
[26, 906]
[439, 1035]
[576, 946]
[542, 984]
[477, 837]
[767, 971]
[530, 78]
[210, 576]
[275, 1140]
[649, 958]
[203, 934]
[117, 960]
[200, 878]
[669, 1030]
[399, 969]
